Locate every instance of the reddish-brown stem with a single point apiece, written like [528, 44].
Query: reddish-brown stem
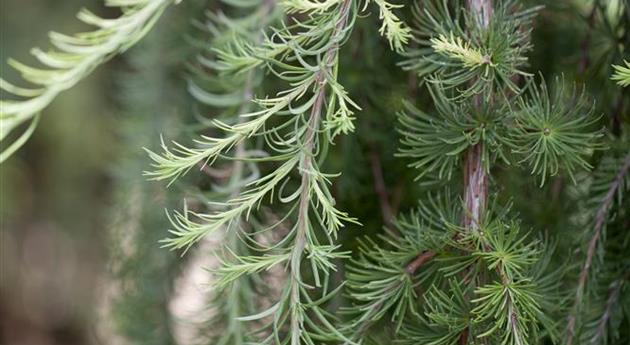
[420, 260]
[600, 220]
[475, 177]
[475, 187]
[463, 338]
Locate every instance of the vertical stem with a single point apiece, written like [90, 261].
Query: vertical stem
[475, 176]
[482, 10]
[306, 165]
[475, 187]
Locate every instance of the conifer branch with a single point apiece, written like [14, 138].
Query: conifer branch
[306, 165]
[305, 56]
[457, 50]
[515, 307]
[307, 182]
[269, 104]
[469, 78]
[74, 59]
[555, 130]
[384, 280]
[604, 320]
[600, 221]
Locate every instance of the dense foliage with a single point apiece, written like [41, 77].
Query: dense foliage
[439, 172]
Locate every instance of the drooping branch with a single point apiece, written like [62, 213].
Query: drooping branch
[306, 165]
[73, 59]
[304, 206]
[600, 221]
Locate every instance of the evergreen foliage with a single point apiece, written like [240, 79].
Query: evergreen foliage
[297, 102]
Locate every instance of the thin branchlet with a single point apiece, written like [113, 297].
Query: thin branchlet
[600, 221]
[73, 59]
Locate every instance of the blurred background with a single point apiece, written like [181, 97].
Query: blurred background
[73, 193]
[55, 193]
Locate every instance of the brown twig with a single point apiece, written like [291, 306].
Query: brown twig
[600, 221]
[463, 338]
[381, 189]
[482, 10]
[556, 189]
[420, 260]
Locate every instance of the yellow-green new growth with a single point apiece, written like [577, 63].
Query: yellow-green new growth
[304, 6]
[396, 32]
[622, 74]
[73, 58]
[455, 48]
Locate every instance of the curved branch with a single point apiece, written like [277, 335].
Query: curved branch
[306, 164]
[74, 58]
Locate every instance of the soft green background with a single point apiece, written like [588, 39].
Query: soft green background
[54, 192]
